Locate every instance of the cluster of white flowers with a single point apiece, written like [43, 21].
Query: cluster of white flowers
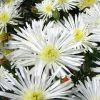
[47, 7]
[43, 54]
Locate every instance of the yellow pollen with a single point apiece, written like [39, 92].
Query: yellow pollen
[48, 8]
[49, 54]
[61, 1]
[4, 17]
[33, 95]
[86, 3]
[78, 35]
[8, 1]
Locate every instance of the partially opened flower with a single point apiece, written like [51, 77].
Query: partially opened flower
[82, 35]
[89, 89]
[46, 45]
[8, 15]
[37, 86]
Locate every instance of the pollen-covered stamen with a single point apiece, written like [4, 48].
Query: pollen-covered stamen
[86, 3]
[61, 1]
[33, 95]
[4, 17]
[49, 54]
[78, 35]
[48, 8]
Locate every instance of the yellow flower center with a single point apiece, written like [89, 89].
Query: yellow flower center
[33, 95]
[48, 8]
[61, 1]
[4, 17]
[49, 54]
[78, 35]
[8, 1]
[86, 3]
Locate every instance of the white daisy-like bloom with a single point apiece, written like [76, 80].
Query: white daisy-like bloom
[46, 8]
[37, 86]
[82, 35]
[8, 15]
[66, 5]
[46, 45]
[4, 82]
[92, 16]
[87, 3]
[89, 90]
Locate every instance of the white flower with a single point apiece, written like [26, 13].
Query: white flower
[46, 45]
[82, 35]
[89, 90]
[37, 86]
[66, 5]
[46, 8]
[8, 15]
[87, 3]
[92, 16]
